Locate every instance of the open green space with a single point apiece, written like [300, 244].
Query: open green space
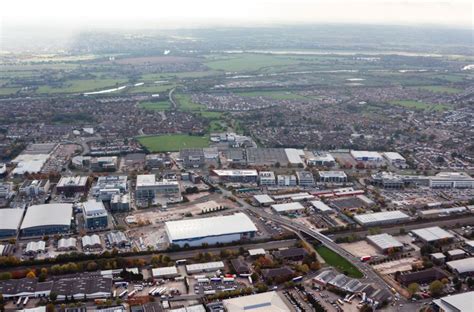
[441, 89]
[250, 62]
[173, 142]
[277, 95]
[185, 103]
[82, 85]
[8, 90]
[158, 106]
[419, 105]
[338, 262]
[181, 75]
[151, 88]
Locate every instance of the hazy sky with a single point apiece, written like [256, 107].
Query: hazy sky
[185, 13]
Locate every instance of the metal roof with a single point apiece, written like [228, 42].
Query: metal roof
[384, 241]
[268, 301]
[321, 206]
[287, 207]
[456, 303]
[213, 226]
[381, 216]
[433, 233]
[462, 266]
[264, 199]
[10, 218]
[47, 214]
[172, 270]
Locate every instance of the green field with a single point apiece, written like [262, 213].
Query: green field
[338, 262]
[419, 105]
[158, 106]
[250, 62]
[173, 142]
[79, 86]
[441, 89]
[186, 104]
[8, 90]
[152, 88]
[277, 95]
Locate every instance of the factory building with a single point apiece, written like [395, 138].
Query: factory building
[266, 178]
[305, 178]
[288, 207]
[395, 159]
[235, 176]
[205, 267]
[72, 185]
[463, 267]
[286, 180]
[192, 157]
[367, 156]
[148, 189]
[165, 272]
[320, 159]
[95, 215]
[451, 180]
[10, 219]
[432, 234]
[332, 176]
[322, 207]
[268, 301]
[47, 219]
[381, 218]
[455, 303]
[213, 230]
[108, 186]
[385, 242]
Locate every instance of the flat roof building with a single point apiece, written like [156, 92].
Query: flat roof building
[266, 178]
[205, 267]
[305, 178]
[455, 303]
[263, 199]
[286, 180]
[379, 218]
[166, 272]
[47, 219]
[220, 229]
[321, 159]
[321, 206]
[451, 180]
[236, 176]
[149, 189]
[263, 302]
[462, 267]
[332, 176]
[384, 242]
[432, 234]
[369, 156]
[10, 219]
[395, 159]
[71, 185]
[95, 215]
[287, 207]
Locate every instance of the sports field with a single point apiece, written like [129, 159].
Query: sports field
[173, 142]
[338, 262]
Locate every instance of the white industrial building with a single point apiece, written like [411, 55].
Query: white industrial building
[463, 267]
[395, 159]
[266, 178]
[456, 303]
[380, 218]
[47, 219]
[320, 159]
[321, 206]
[35, 247]
[166, 272]
[287, 207]
[263, 302]
[432, 234]
[67, 244]
[205, 267]
[384, 242]
[10, 219]
[451, 180]
[367, 156]
[235, 176]
[263, 199]
[29, 163]
[332, 176]
[91, 241]
[294, 155]
[220, 229]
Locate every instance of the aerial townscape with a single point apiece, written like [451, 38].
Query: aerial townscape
[258, 169]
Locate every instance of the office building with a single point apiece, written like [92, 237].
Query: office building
[266, 178]
[305, 178]
[95, 215]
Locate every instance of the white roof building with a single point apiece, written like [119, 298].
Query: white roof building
[366, 156]
[47, 218]
[67, 243]
[287, 207]
[263, 199]
[35, 247]
[205, 267]
[394, 157]
[210, 230]
[165, 272]
[456, 303]
[257, 252]
[385, 217]
[432, 234]
[92, 241]
[236, 173]
[463, 266]
[321, 206]
[384, 241]
[264, 302]
[10, 219]
[294, 155]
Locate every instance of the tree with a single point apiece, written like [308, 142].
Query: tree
[53, 296]
[31, 275]
[50, 307]
[5, 276]
[413, 288]
[436, 288]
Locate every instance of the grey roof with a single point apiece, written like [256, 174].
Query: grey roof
[47, 214]
[10, 218]
[433, 233]
[462, 266]
[384, 241]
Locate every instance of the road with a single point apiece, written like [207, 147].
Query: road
[170, 96]
[369, 275]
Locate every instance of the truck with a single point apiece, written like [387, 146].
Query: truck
[365, 258]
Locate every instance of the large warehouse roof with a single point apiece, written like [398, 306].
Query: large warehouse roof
[462, 266]
[384, 241]
[456, 303]
[286, 207]
[10, 218]
[236, 173]
[381, 217]
[432, 234]
[213, 226]
[48, 214]
[269, 301]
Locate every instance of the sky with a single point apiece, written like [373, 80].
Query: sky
[201, 13]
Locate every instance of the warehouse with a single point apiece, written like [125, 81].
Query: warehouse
[236, 176]
[204, 267]
[268, 301]
[463, 267]
[321, 207]
[213, 230]
[47, 219]
[432, 234]
[10, 220]
[287, 207]
[384, 242]
[366, 156]
[395, 159]
[166, 272]
[455, 303]
[266, 156]
[263, 200]
[380, 218]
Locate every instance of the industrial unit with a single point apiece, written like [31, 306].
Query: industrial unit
[47, 219]
[379, 218]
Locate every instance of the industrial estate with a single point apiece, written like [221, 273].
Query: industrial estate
[187, 178]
